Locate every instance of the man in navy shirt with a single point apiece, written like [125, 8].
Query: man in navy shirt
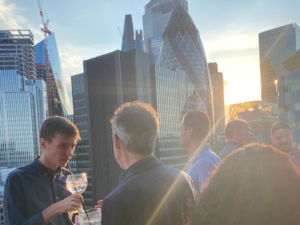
[36, 193]
[282, 137]
[193, 134]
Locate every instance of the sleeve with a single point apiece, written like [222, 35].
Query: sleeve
[15, 205]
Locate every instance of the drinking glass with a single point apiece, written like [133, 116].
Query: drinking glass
[94, 216]
[76, 183]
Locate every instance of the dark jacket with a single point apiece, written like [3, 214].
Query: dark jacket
[229, 147]
[149, 193]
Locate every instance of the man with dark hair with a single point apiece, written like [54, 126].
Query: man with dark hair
[193, 134]
[238, 133]
[148, 192]
[37, 193]
[282, 137]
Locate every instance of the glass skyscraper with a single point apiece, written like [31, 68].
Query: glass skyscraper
[182, 48]
[129, 41]
[172, 93]
[155, 19]
[289, 95]
[22, 108]
[275, 46]
[60, 98]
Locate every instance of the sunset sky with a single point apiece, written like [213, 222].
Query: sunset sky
[228, 29]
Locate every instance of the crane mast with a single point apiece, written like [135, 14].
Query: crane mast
[47, 66]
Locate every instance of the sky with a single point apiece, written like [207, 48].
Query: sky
[228, 29]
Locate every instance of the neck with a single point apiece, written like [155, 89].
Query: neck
[131, 159]
[47, 163]
[194, 146]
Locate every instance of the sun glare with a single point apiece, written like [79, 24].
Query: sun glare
[243, 84]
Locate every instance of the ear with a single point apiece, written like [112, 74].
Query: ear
[117, 142]
[43, 143]
[292, 134]
[190, 131]
[272, 139]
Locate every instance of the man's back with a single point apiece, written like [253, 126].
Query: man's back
[229, 148]
[149, 193]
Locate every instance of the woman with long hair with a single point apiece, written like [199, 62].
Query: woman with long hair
[257, 185]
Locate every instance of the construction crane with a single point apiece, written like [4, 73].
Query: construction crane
[46, 33]
[120, 32]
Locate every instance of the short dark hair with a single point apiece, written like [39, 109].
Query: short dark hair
[231, 125]
[136, 125]
[279, 125]
[58, 125]
[253, 185]
[199, 122]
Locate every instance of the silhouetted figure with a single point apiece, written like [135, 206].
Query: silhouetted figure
[282, 137]
[148, 192]
[238, 133]
[193, 132]
[256, 185]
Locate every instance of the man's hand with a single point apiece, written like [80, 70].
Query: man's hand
[68, 204]
[99, 204]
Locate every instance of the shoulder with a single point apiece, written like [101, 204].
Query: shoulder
[18, 172]
[209, 157]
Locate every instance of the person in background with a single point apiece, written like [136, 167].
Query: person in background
[36, 193]
[238, 133]
[256, 184]
[193, 133]
[282, 137]
[148, 192]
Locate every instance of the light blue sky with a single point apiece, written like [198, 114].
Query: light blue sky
[229, 31]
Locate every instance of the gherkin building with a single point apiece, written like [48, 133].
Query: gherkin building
[182, 48]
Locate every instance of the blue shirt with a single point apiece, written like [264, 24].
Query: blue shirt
[31, 189]
[202, 163]
[229, 148]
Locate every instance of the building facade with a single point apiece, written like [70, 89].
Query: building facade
[60, 98]
[80, 161]
[182, 48]
[171, 99]
[275, 46]
[22, 108]
[109, 81]
[260, 116]
[217, 84]
[289, 95]
[155, 19]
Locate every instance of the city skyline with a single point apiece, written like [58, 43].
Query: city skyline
[229, 33]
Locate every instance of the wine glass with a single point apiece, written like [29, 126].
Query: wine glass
[77, 183]
[94, 217]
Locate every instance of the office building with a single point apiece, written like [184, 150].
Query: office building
[217, 84]
[131, 41]
[110, 80]
[155, 19]
[1, 212]
[80, 162]
[60, 99]
[17, 52]
[182, 48]
[260, 116]
[289, 95]
[21, 100]
[275, 46]
[172, 98]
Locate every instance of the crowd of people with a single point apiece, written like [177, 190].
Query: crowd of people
[245, 184]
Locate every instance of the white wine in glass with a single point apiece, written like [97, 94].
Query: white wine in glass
[76, 183]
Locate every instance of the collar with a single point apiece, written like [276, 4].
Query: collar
[197, 153]
[40, 168]
[140, 166]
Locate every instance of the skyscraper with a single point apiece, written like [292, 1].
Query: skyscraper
[182, 48]
[275, 46]
[155, 19]
[109, 81]
[22, 108]
[129, 40]
[172, 95]
[217, 85]
[60, 98]
[289, 95]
